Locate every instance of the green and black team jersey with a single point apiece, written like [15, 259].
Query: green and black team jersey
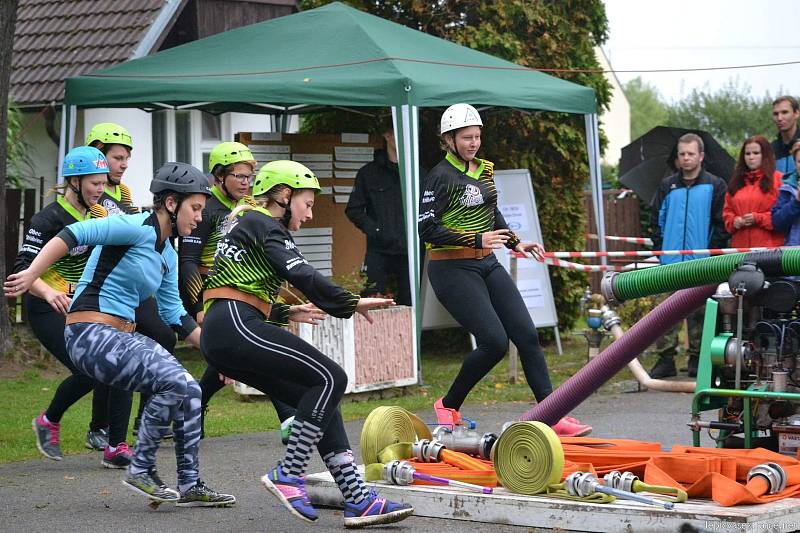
[457, 207]
[196, 251]
[118, 201]
[257, 254]
[64, 274]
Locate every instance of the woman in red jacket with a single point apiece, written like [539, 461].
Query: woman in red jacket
[752, 191]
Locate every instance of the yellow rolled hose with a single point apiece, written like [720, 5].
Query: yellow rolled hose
[528, 458]
[387, 435]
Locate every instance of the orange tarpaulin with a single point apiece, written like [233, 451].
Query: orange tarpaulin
[716, 473]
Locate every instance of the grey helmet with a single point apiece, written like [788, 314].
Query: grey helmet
[179, 178]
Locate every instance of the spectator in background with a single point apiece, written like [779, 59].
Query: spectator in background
[785, 113]
[376, 208]
[686, 214]
[786, 213]
[752, 191]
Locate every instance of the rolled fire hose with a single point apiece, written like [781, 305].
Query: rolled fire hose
[387, 426]
[611, 322]
[528, 458]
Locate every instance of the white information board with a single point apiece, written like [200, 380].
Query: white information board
[518, 206]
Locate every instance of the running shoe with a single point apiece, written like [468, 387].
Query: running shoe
[291, 491]
[571, 427]
[446, 416]
[374, 510]
[201, 495]
[119, 458]
[286, 430]
[150, 485]
[47, 437]
[96, 440]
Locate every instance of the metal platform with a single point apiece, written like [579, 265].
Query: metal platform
[540, 513]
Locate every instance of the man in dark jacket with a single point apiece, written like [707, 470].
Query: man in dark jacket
[785, 114]
[687, 215]
[376, 208]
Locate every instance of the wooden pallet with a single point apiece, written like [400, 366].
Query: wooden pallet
[541, 513]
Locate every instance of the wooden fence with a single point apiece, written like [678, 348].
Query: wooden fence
[622, 217]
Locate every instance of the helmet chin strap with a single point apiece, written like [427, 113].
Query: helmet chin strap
[225, 190]
[78, 193]
[456, 153]
[112, 182]
[287, 209]
[173, 219]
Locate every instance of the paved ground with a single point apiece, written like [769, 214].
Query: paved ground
[76, 494]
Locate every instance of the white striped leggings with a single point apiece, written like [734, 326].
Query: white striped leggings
[236, 340]
[135, 363]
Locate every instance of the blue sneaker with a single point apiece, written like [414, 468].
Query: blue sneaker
[374, 510]
[291, 491]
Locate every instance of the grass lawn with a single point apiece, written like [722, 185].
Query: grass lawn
[28, 384]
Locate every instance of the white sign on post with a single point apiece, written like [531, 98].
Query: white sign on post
[517, 204]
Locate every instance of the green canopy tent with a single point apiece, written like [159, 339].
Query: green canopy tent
[338, 56]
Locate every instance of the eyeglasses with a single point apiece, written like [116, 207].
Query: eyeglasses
[243, 178]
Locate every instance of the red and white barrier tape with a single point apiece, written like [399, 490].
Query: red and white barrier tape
[635, 240]
[650, 253]
[595, 268]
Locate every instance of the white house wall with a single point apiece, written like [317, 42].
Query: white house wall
[139, 124]
[616, 122]
[42, 150]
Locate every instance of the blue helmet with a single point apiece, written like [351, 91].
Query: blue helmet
[84, 160]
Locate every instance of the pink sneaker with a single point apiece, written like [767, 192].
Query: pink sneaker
[571, 427]
[446, 416]
[47, 440]
[119, 458]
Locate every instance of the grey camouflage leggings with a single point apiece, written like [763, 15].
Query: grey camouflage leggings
[133, 362]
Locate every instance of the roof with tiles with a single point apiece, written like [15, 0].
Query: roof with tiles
[57, 39]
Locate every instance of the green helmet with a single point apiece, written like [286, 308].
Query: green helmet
[109, 133]
[291, 173]
[228, 153]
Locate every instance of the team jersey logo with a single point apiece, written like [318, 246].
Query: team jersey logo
[79, 250]
[472, 196]
[290, 245]
[112, 207]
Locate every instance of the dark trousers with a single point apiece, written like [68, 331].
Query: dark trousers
[238, 342]
[482, 297]
[380, 269]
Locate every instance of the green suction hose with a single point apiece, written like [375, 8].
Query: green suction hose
[670, 278]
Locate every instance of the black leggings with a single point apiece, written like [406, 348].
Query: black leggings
[481, 296]
[237, 341]
[149, 324]
[110, 407]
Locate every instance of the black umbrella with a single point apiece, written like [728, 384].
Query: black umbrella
[651, 158]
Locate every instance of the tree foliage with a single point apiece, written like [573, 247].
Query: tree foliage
[647, 108]
[551, 145]
[730, 115]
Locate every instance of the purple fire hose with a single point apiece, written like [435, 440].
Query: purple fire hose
[611, 360]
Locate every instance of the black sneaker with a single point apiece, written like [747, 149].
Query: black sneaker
[691, 369]
[201, 495]
[150, 485]
[664, 368]
[96, 440]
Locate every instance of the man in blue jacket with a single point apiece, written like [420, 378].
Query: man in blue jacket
[785, 114]
[687, 214]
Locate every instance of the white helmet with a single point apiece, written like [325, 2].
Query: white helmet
[459, 116]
